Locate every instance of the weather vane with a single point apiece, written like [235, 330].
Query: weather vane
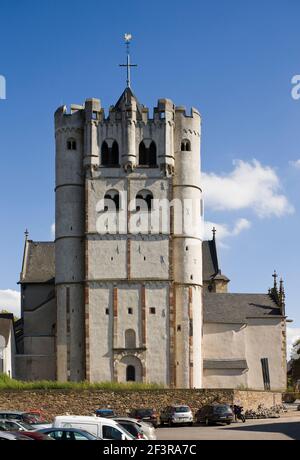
[128, 38]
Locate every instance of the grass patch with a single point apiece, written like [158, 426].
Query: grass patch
[6, 383]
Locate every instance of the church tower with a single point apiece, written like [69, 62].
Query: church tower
[128, 243]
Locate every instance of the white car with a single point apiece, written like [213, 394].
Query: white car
[179, 414]
[101, 427]
[147, 429]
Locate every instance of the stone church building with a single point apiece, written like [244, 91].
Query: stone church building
[120, 294]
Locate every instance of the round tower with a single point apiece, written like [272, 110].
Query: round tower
[165, 113]
[69, 242]
[187, 250]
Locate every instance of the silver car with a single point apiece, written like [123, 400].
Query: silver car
[177, 415]
[15, 425]
[147, 429]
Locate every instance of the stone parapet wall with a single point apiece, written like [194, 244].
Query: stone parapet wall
[60, 402]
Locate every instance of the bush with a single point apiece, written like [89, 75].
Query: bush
[6, 383]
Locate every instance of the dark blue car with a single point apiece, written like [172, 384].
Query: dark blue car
[69, 434]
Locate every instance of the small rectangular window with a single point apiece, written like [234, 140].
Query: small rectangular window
[130, 311]
[107, 311]
[266, 373]
[178, 328]
[152, 310]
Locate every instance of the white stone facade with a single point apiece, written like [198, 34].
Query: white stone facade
[128, 300]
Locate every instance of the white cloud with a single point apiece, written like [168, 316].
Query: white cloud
[249, 185]
[292, 333]
[295, 163]
[225, 231]
[10, 300]
[53, 230]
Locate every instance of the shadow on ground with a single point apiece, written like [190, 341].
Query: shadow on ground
[291, 429]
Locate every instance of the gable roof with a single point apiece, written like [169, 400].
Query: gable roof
[238, 308]
[38, 262]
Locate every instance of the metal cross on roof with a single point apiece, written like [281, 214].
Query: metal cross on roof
[127, 38]
[214, 230]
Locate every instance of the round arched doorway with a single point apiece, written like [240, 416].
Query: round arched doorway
[130, 369]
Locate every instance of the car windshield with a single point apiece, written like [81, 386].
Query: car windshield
[181, 409]
[121, 428]
[35, 416]
[16, 425]
[144, 412]
[221, 409]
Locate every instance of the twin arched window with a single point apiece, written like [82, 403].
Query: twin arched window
[71, 144]
[110, 155]
[144, 198]
[185, 145]
[112, 200]
[147, 156]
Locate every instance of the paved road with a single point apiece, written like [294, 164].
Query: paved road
[284, 428]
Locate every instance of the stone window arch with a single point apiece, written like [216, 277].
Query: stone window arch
[142, 154]
[185, 145]
[71, 144]
[128, 366]
[110, 154]
[152, 154]
[143, 199]
[130, 338]
[147, 154]
[112, 200]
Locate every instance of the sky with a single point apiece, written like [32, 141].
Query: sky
[232, 60]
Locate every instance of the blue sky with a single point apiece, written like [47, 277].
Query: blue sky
[232, 60]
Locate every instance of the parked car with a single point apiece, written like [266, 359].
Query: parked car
[24, 417]
[38, 415]
[105, 413]
[68, 434]
[15, 425]
[215, 413]
[176, 415]
[146, 415]
[132, 427]
[147, 428]
[7, 436]
[104, 428]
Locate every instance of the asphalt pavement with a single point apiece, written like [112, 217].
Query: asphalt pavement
[283, 428]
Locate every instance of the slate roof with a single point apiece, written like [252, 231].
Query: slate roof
[237, 308]
[225, 364]
[210, 260]
[126, 98]
[38, 262]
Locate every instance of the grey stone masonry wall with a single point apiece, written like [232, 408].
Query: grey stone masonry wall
[59, 402]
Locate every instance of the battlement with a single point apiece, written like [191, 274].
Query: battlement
[127, 107]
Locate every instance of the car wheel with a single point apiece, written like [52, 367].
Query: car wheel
[191, 424]
[228, 423]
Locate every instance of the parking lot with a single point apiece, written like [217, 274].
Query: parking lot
[284, 428]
